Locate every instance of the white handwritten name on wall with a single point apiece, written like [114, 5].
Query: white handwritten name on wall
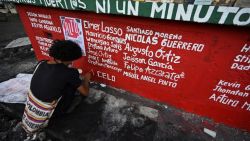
[42, 21]
[232, 94]
[44, 44]
[138, 53]
[45, 23]
[242, 60]
[235, 94]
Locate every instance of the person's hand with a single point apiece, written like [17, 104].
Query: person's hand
[80, 71]
[87, 76]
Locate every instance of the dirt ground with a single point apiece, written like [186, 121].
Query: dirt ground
[108, 114]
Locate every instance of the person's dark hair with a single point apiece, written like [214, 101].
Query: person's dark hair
[65, 50]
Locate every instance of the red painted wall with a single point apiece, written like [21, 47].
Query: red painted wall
[199, 68]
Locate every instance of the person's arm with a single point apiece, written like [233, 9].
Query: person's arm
[84, 88]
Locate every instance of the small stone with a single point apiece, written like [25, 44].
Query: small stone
[148, 112]
[103, 85]
[138, 122]
[210, 132]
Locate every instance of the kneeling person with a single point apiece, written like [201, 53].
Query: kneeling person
[53, 86]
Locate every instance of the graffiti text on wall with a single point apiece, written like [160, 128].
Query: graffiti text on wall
[196, 13]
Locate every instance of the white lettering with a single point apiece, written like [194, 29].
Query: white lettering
[156, 8]
[236, 19]
[225, 12]
[182, 14]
